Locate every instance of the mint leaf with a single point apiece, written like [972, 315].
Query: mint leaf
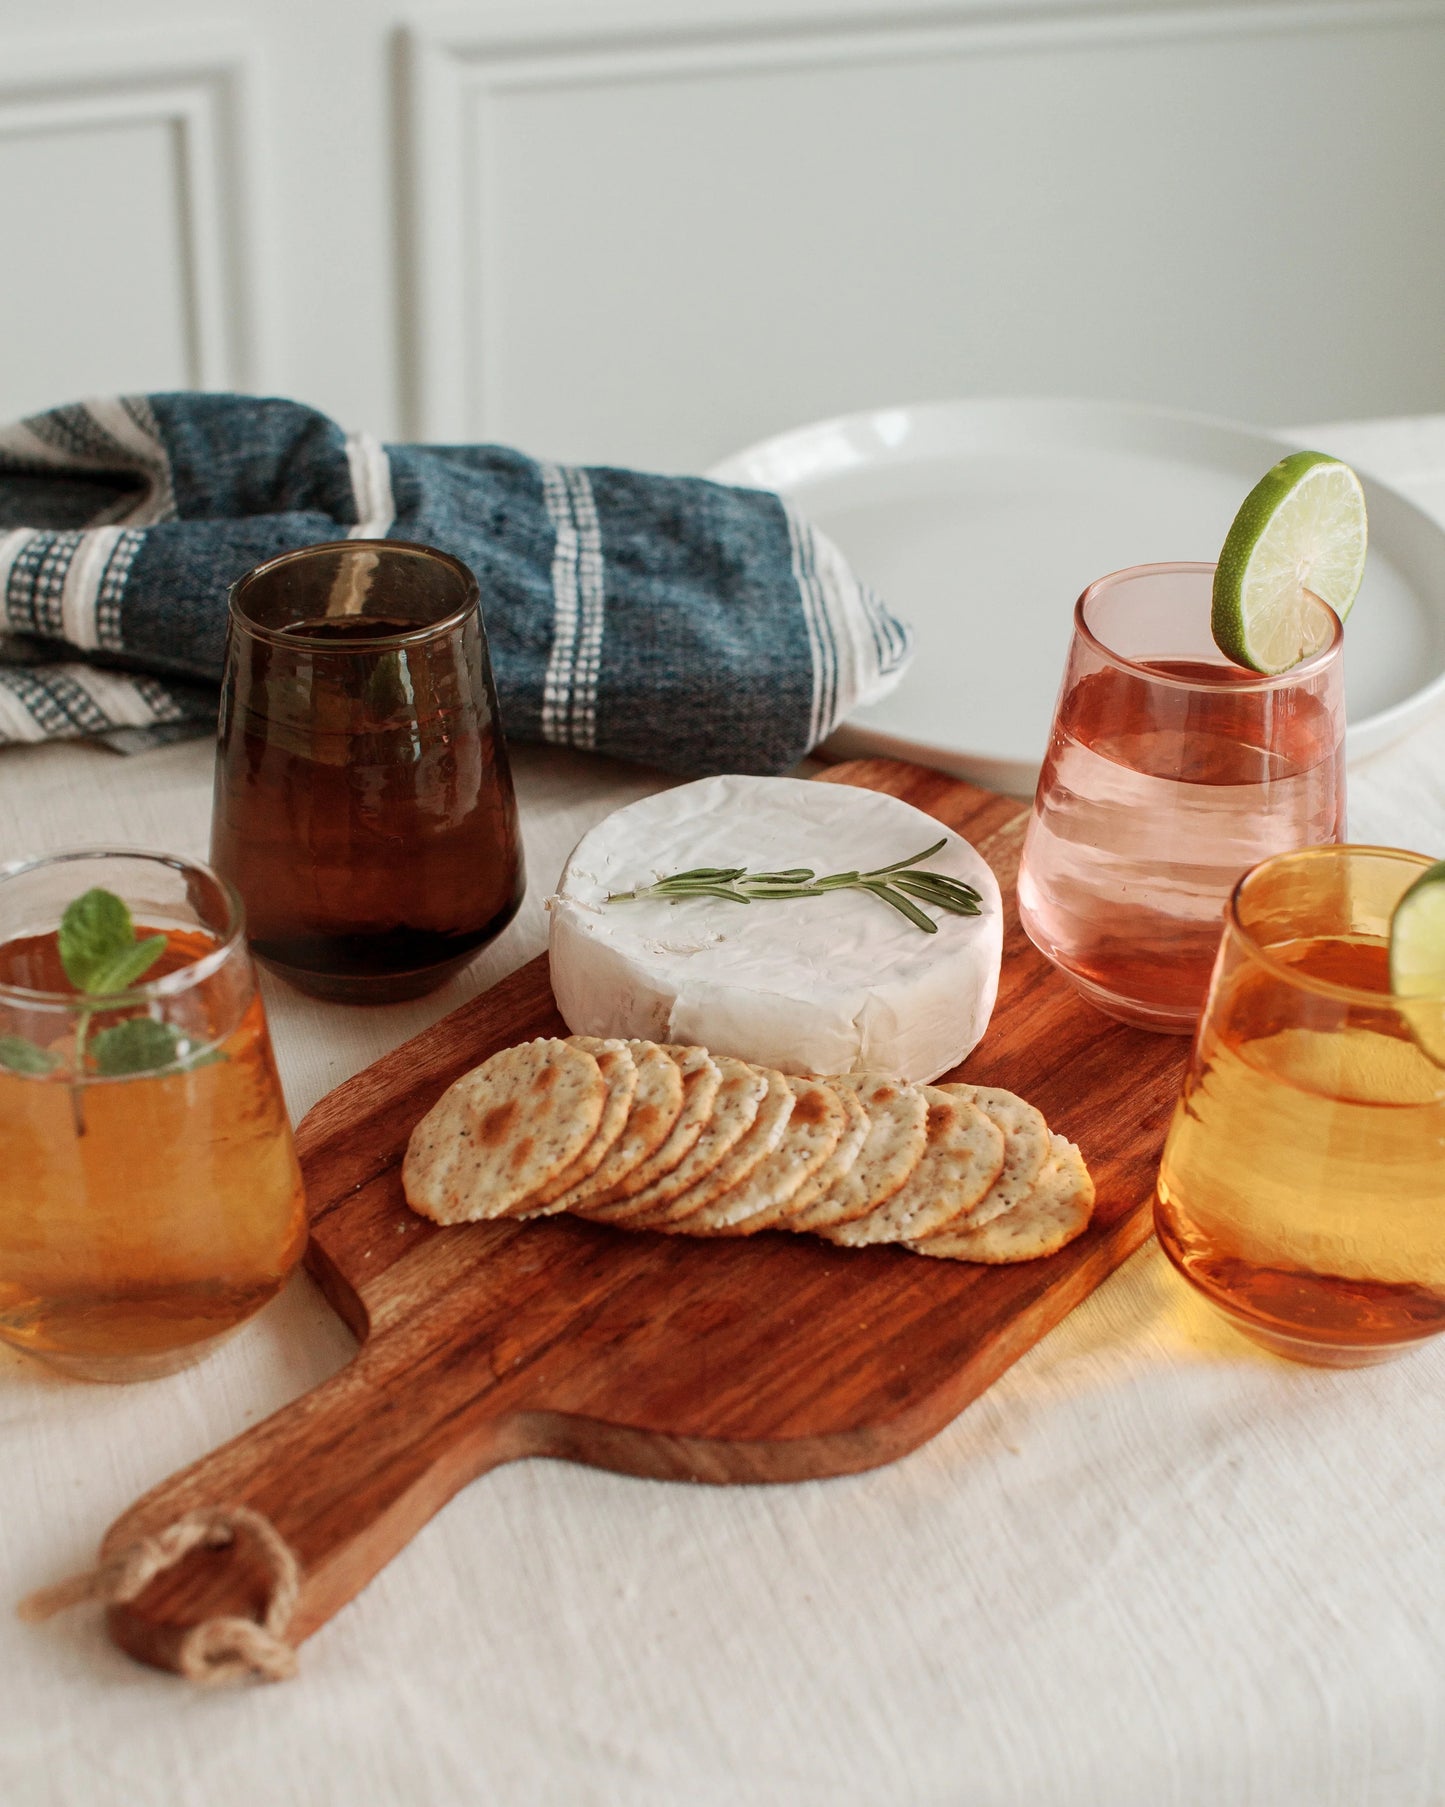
[98, 948]
[127, 965]
[21, 1056]
[138, 1045]
[94, 929]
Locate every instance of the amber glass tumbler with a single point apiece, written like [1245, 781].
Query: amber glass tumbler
[1302, 1190]
[364, 805]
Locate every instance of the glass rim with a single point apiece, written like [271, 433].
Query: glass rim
[365, 643]
[1291, 975]
[1247, 681]
[167, 985]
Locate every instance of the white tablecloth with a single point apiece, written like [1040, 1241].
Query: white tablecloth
[1150, 1566]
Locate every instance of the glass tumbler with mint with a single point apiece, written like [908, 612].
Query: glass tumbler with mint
[150, 1197]
[364, 806]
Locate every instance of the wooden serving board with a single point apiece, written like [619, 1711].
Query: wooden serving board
[770, 1358]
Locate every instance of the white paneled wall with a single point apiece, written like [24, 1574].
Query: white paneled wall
[125, 215]
[117, 181]
[648, 231]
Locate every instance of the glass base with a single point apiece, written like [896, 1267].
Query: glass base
[1299, 1344]
[120, 1369]
[1161, 1020]
[382, 984]
[1311, 1351]
[368, 988]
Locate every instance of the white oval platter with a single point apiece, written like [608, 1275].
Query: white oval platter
[981, 521]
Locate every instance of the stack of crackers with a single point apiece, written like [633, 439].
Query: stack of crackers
[657, 1137]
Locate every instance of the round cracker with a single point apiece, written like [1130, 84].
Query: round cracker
[1056, 1210]
[701, 1080]
[656, 1107]
[830, 1173]
[896, 1138]
[502, 1130]
[1026, 1150]
[810, 1134]
[774, 1105]
[734, 1108]
[619, 1074]
[960, 1163]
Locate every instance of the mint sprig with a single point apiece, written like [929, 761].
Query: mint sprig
[104, 959]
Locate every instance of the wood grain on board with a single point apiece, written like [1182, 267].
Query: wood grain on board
[771, 1358]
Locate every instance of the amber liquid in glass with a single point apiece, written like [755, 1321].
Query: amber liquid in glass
[1145, 824]
[1303, 1183]
[141, 1217]
[358, 811]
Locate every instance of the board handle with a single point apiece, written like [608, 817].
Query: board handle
[346, 1475]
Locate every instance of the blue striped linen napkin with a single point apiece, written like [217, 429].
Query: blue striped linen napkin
[666, 620]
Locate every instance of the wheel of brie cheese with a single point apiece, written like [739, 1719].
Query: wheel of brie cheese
[840, 983]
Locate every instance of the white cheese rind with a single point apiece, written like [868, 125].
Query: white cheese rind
[833, 984]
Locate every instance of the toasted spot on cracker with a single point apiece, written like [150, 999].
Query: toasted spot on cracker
[495, 1125]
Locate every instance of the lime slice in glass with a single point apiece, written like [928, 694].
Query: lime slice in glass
[1300, 533]
[1417, 959]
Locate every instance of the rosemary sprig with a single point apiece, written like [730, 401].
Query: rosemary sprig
[898, 884]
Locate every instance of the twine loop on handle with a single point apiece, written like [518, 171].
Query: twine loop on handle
[222, 1649]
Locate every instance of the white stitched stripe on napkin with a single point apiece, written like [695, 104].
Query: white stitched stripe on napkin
[81, 591]
[67, 586]
[579, 593]
[815, 619]
[12, 544]
[859, 650]
[40, 702]
[592, 598]
[370, 467]
[109, 433]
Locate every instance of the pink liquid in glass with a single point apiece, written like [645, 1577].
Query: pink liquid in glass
[1167, 776]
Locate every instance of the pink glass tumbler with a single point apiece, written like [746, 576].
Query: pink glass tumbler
[1170, 771]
